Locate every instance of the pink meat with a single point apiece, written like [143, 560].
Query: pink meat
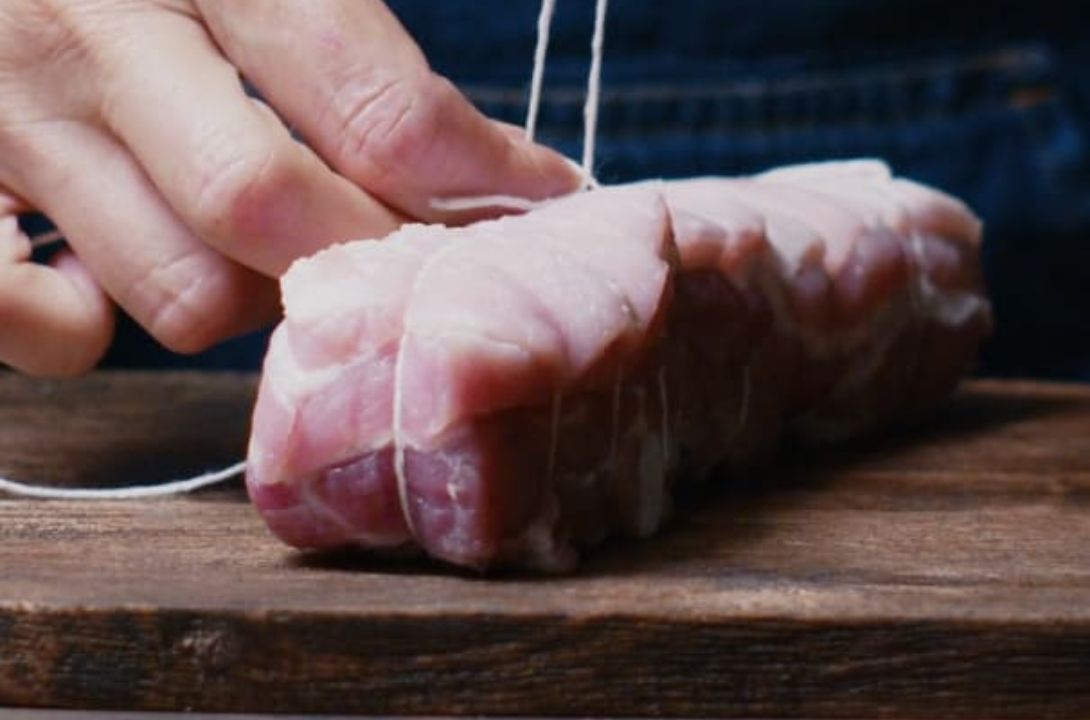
[508, 392]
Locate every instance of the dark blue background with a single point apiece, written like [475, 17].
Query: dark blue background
[988, 100]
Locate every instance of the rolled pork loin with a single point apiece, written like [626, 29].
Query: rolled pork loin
[509, 392]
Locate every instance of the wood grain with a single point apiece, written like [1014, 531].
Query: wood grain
[942, 571]
[12, 714]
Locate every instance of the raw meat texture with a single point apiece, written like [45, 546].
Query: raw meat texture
[510, 391]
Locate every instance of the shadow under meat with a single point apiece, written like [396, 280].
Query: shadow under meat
[736, 502]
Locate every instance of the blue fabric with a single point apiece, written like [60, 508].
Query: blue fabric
[988, 100]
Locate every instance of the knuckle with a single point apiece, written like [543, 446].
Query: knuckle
[238, 192]
[83, 36]
[177, 304]
[48, 72]
[389, 129]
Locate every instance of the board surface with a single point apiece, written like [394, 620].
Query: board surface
[943, 571]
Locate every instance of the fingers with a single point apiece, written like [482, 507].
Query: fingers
[10, 207]
[56, 320]
[225, 163]
[183, 292]
[362, 94]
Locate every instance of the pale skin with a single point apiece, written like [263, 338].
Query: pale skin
[182, 198]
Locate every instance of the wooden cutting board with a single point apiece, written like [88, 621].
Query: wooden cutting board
[941, 572]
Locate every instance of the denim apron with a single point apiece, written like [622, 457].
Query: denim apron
[987, 100]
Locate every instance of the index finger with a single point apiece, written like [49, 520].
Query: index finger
[225, 164]
[361, 92]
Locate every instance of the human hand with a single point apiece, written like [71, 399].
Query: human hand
[125, 121]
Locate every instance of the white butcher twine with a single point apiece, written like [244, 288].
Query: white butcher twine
[590, 112]
[590, 126]
[46, 239]
[177, 487]
[544, 24]
[594, 78]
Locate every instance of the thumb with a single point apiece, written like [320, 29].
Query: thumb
[55, 320]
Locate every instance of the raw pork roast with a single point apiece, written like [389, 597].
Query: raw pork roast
[507, 392]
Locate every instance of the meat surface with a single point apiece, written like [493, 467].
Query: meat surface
[511, 391]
